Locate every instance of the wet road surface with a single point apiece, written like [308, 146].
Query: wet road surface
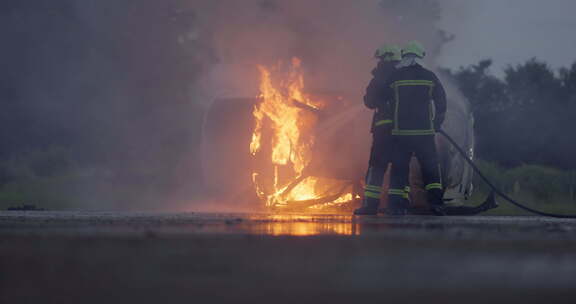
[92, 257]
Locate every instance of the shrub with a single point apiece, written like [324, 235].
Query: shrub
[538, 184]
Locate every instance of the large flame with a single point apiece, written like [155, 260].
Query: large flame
[288, 116]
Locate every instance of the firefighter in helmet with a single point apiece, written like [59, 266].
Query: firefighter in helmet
[380, 155]
[418, 103]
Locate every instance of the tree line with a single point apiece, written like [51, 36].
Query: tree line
[525, 117]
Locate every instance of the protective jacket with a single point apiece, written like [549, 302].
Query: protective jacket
[373, 97]
[417, 100]
[419, 107]
[380, 153]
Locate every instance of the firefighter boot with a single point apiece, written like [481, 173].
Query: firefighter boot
[372, 192]
[397, 206]
[369, 207]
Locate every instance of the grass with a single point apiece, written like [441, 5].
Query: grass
[539, 187]
[52, 180]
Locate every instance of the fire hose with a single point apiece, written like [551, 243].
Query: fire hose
[496, 189]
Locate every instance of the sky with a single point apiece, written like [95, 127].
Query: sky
[509, 32]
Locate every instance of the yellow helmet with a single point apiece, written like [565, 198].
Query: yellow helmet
[389, 52]
[414, 48]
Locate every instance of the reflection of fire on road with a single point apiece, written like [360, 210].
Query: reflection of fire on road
[283, 141]
[306, 225]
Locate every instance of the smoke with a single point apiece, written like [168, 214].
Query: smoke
[335, 39]
[125, 85]
[109, 81]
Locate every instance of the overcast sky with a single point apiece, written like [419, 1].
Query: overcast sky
[510, 32]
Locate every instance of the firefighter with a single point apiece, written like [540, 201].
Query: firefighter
[418, 101]
[380, 154]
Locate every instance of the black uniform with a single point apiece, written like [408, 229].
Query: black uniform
[418, 103]
[380, 153]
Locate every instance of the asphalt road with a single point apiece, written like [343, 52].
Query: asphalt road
[88, 257]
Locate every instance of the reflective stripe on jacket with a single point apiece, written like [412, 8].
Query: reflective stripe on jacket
[418, 101]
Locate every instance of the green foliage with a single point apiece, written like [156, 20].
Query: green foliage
[51, 179]
[494, 173]
[541, 187]
[525, 118]
[543, 183]
[38, 177]
[40, 192]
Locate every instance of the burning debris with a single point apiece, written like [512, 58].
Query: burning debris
[284, 137]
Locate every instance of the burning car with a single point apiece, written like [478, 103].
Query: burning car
[291, 150]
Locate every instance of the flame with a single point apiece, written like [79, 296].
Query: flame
[287, 120]
[289, 115]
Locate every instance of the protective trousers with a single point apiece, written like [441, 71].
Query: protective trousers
[380, 157]
[424, 148]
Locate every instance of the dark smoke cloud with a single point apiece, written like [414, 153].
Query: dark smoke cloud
[109, 80]
[125, 84]
[335, 38]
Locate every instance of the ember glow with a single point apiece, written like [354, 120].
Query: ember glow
[283, 141]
